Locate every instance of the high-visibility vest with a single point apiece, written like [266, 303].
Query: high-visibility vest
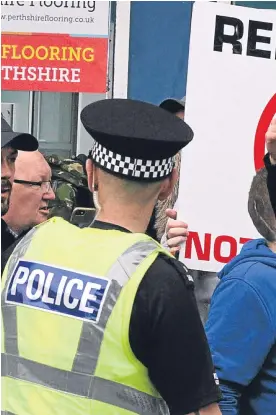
[67, 298]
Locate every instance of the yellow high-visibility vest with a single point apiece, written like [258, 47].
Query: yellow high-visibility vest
[67, 298]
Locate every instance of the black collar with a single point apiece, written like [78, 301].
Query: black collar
[108, 226]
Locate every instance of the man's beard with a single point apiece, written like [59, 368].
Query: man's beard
[5, 202]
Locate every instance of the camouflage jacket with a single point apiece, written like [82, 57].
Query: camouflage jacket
[68, 177]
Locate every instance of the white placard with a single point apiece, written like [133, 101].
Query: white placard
[65, 17]
[226, 95]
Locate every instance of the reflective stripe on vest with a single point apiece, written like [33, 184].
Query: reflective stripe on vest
[9, 310]
[92, 334]
[81, 380]
[79, 384]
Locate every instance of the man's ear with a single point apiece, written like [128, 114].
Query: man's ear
[168, 185]
[90, 174]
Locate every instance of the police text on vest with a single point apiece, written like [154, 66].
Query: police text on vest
[57, 290]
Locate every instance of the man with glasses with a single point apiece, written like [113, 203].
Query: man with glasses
[11, 142]
[30, 197]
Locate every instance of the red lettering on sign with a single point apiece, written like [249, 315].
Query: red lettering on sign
[53, 62]
[218, 248]
[244, 240]
[213, 245]
[194, 238]
[265, 120]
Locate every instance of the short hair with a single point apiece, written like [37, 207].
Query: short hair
[260, 207]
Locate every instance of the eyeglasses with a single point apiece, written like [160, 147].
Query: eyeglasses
[45, 185]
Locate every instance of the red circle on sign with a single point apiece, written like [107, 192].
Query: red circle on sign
[265, 120]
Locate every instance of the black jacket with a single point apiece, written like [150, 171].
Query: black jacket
[7, 238]
[8, 243]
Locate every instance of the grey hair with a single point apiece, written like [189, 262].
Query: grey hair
[260, 208]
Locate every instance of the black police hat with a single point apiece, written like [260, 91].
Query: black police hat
[134, 139]
[18, 141]
[173, 105]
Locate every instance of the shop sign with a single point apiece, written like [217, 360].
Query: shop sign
[59, 46]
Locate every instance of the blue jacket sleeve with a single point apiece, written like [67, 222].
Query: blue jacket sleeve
[240, 334]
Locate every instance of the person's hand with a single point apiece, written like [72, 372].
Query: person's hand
[176, 231]
[270, 139]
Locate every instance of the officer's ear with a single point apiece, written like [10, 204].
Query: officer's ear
[90, 169]
[168, 185]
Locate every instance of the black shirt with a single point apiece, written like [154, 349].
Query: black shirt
[167, 336]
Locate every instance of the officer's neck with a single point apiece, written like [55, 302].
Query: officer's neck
[134, 220]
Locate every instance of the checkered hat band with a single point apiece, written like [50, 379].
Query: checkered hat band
[130, 167]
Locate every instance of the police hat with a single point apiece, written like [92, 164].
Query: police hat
[173, 105]
[18, 141]
[134, 139]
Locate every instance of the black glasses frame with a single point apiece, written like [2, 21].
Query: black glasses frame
[30, 183]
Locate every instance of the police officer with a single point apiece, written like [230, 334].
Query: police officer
[103, 320]
[11, 142]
